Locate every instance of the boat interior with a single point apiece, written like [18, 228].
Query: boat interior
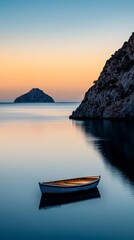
[73, 182]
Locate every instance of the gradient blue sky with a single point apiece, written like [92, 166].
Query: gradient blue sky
[71, 38]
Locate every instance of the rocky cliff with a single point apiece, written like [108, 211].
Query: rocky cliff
[34, 96]
[112, 95]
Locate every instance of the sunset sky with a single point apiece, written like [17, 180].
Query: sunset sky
[59, 46]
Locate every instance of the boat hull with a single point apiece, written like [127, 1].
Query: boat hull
[47, 188]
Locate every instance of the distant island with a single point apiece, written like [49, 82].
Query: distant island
[35, 95]
[112, 95]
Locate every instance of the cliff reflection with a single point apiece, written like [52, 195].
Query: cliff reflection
[115, 140]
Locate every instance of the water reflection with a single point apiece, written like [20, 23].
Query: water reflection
[115, 140]
[49, 200]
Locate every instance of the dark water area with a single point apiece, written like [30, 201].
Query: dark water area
[39, 143]
[115, 142]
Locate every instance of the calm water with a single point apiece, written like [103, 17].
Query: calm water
[38, 142]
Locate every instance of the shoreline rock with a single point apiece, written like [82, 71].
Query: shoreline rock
[35, 95]
[112, 95]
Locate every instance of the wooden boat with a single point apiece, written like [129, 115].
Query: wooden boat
[52, 199]
[69, 185]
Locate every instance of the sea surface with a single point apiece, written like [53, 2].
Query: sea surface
[38, 142]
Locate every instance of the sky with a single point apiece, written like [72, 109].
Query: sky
[59, 46]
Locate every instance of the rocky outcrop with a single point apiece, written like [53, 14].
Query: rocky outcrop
[34, 96]
[112, 95]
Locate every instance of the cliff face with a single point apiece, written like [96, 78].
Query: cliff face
[112, 95]
[34, 96]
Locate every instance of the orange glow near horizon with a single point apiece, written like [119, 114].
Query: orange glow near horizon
[64, 73]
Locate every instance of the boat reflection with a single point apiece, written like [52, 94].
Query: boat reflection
[49, 200]
[115, 140]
